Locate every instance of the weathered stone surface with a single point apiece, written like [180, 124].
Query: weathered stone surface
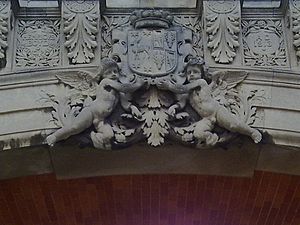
[279, 159]
[151, 4]
[25, 162]
[237, 159]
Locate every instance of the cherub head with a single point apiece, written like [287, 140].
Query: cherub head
[194, 69]
[109, 69]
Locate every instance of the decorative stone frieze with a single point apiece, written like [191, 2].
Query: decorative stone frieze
[80, 20]
[154, 87]
[295, 23]
[223, 28]
[263, 42]
[38, 43]
[4, 18]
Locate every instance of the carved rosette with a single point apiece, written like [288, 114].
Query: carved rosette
[38, 43]
[4, 16]
[295, 17]
[223, 28]
[263, 43]
[80, 29]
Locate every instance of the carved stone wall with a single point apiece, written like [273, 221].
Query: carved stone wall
[76, 36]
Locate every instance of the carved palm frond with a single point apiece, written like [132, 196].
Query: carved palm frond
[4, 15]
[223, 30]
[80, 29]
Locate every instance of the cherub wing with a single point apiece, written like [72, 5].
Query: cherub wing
[224, 90]
[83, 81]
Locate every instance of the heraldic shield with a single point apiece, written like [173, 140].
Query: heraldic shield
[152, 52]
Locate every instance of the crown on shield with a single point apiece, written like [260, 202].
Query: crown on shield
[151, 18]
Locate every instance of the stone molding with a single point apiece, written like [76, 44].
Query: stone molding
[37, 63]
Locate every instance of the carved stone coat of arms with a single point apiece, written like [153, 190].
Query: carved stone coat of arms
[153, 87]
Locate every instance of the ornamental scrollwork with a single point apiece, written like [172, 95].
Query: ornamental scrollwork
[38, 43]
[194, 24]
[108, 25]
[153, 92]
[80, 20]
[223, 28]
[263, 42]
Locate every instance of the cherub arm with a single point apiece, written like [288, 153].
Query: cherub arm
[129, 87]
[185, 88]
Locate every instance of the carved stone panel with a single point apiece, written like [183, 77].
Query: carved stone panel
[295, 19]
[37, 43]
[80, 29]
[4, 18]
[193, 23]
[153, 87]
[223, 28]
[113, 24]
[263, 42]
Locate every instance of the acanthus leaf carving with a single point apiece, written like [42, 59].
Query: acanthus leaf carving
[80, 28]
[155, 118]
[223, 28]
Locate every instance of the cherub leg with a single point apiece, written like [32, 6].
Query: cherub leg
[125, 100]
[228, 121]
[102, 138]
[203, 132]
[82, 122]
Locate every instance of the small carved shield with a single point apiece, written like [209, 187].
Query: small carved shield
[152, 52]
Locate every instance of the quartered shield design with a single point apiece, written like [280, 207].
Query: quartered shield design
[152, 52]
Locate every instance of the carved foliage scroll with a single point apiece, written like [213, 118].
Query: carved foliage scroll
[4, 16]
[193, 23]
[263, 42]
[37, 43]
[223, 28]
[80, 28]
[295, 14]
[108, 25]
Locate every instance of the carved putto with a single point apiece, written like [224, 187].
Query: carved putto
[153, 88]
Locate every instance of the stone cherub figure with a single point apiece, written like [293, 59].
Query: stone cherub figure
[96, 111]
[202, 99]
